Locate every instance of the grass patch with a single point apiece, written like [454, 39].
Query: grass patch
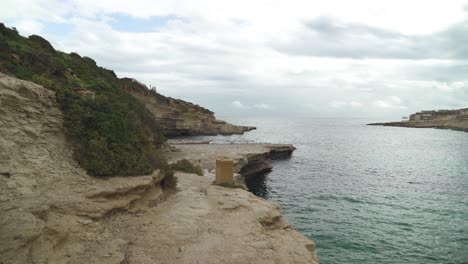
[185, 165]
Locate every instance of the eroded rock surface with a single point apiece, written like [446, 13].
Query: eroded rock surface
[51, 211]
[48, 205]
[203, 223]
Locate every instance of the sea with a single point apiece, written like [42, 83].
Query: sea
[367, 194]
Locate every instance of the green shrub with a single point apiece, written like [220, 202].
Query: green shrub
[112, 132]
[42, 80]
[170, 180]
[185, 165]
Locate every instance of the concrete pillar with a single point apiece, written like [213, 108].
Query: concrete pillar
[224, 171]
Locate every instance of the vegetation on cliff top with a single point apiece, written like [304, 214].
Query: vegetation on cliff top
[185, 165]
[112, 133]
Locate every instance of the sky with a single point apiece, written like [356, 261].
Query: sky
[361, 58]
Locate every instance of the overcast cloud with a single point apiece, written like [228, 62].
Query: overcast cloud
[360, 41]
[364, 58]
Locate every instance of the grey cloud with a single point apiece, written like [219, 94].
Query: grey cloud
[329, 26]
[327, 37]
[438, 73]
[214, 73]
[453, 41]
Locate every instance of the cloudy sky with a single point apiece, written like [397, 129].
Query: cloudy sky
[361, 58]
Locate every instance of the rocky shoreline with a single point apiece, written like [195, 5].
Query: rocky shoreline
[52, 211]
[456, 119]
[453, 125]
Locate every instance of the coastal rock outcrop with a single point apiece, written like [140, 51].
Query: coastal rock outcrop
[177, 117]
[51, 211]
[442, 119]
[249, 159]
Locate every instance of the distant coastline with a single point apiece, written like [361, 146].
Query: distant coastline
[442, 119]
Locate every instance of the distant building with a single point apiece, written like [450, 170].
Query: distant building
[440, 115]
[426, 116]
[415, 117]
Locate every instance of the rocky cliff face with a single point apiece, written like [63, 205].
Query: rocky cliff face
[47, 203]
[51, 211]
[178, 117]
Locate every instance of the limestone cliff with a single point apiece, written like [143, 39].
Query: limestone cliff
[51, 211]
[177, 117]
[46, 200]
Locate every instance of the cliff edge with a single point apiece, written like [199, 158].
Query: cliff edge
[177, 117]
[71, 75]
[52, 211]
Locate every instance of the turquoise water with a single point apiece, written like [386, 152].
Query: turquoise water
[369, 194]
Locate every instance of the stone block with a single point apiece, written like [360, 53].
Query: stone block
[224, 171]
